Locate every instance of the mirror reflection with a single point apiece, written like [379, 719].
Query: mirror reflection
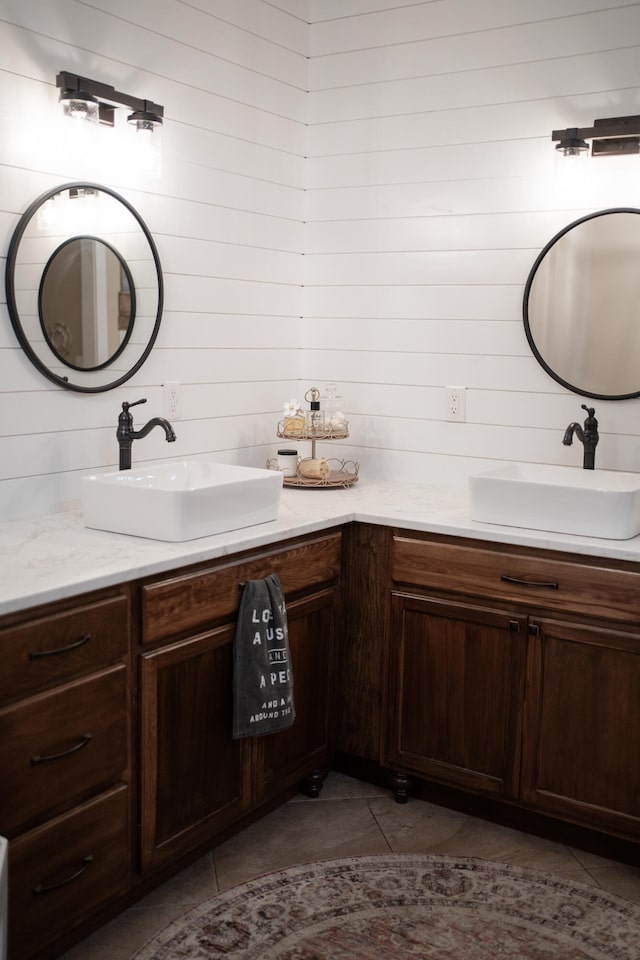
[84, 287]
[86, 302]
[582, 305]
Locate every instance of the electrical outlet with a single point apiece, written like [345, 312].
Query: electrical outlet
[456, 403]
[171, 397]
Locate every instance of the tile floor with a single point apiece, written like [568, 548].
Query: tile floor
[350, 818]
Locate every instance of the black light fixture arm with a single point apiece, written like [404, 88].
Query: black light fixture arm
[104, 92]
[610, 136]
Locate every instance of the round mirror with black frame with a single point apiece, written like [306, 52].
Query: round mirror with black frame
[84, 287]
[582, 305]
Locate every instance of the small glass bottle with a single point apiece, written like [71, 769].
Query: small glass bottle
[315, 416]
[335, 421]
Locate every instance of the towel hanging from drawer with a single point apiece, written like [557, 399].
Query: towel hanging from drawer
[262, 677]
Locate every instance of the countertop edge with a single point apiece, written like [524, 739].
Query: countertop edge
[56, 557]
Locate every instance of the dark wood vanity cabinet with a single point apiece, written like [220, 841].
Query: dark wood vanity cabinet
[196, 780]
[516, 674]
[508, 673]
[65, 766]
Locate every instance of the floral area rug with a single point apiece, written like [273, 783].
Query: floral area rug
[397, 906]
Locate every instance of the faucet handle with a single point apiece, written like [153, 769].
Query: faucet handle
[590, 423]
[125, 405]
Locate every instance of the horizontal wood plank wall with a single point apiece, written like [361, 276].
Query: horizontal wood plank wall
[226, 214]
[431, 188]
[381, 170]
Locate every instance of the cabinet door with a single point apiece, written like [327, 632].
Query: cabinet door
[456, 684]
[195, 778]
[291, 755]
[582, 725]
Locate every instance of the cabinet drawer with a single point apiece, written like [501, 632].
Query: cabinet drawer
[59, 747]
[42, 652]
[192, 600]
[61, 872]
[518, 576]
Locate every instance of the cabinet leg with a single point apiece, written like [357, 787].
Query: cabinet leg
[312, 785]
[400, 784]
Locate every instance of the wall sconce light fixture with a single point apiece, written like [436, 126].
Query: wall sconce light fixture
[610, 137]
[95, 102]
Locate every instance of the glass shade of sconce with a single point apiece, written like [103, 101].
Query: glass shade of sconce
[146, 122]
[79, 106]
[147, 134]
[573, 178]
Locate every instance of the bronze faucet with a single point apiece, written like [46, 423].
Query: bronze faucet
[587, 435]
[126, 434]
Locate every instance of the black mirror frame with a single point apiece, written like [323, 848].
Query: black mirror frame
[525, 308]
[11, 295]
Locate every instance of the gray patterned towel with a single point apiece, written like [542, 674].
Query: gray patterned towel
[262, 676]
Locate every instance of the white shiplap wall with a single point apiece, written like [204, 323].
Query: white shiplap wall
[226, 214]
[431, 187]
[416, 177]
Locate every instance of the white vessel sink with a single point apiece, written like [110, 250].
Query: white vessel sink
[590, 503]
[180, 501]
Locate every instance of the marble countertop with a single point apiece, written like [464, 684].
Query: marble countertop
[56, 556]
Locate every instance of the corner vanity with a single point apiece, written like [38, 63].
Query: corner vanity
[438, 654]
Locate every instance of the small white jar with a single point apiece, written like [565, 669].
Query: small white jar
[288, 462]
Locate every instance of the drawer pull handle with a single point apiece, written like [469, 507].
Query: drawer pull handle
[38, 654]
[44, 888]
[84, 740]
[546, 584]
